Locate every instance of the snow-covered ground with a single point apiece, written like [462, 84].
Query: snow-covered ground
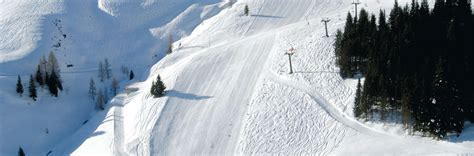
[228, 87]
[132, 34]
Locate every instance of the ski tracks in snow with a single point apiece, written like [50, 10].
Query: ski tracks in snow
[332, 111]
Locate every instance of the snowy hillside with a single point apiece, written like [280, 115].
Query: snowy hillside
[228, 87]
[80, 33]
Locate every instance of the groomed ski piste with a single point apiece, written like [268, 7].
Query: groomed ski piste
[229, 91]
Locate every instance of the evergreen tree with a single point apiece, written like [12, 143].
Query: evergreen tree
[158, 88]
[108, 70]
[114, 86]
[338, 47]
[100, 101]
[246, 10]
[43, 67]
[39, 76]
[54, 84]
[53, 64]
[47, 80]
[19, 86]
[106, 95]
[101, 72]
[21, 152]
[358, 108]
[32, 88]
[92, 89]
[132, 75]
[170, 45]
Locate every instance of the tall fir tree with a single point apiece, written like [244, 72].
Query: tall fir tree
[358, 108]
[54, 84]
[170, 45]
[39, 76]
[53, 64]
[32, 88]
[114, 86]
[107, 68]
[101, 71]
[19, 86]
[92, 89]
[100, 101]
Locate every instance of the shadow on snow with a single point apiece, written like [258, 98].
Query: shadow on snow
[187, 96]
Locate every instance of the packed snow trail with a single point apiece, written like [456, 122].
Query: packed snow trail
[118, 103]
[210, 95]
[208, 106]
[328, 107]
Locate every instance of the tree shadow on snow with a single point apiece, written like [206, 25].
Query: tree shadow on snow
[187, 96]
[96, 134]
[266, 16]
[315, 72]
[467, 134]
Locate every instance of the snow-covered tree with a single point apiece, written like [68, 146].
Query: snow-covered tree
[158, 87]
[19, 86]
[92, 89]
[32, 88]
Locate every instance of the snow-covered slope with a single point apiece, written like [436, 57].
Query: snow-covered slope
[132, 34]
[228, 91]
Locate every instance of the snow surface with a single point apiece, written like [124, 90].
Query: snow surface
[228, 87]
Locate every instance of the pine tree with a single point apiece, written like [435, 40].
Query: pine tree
[32, 88]
[54, 84]
[20, 152]
[53, 64]
[358, 108]
[39, 76]
[101, 72]
[158, 87]
[47, 80]
[106, 95]
[132, 75]
[92, 89]
[246, 10]
[100, 101]
[19, 86]
[114, 86]
[108, 70]
[338, 47]
[43, 67]
[170, 45]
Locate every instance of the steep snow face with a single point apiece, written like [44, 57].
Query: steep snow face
[79, 33]
[20, 26]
